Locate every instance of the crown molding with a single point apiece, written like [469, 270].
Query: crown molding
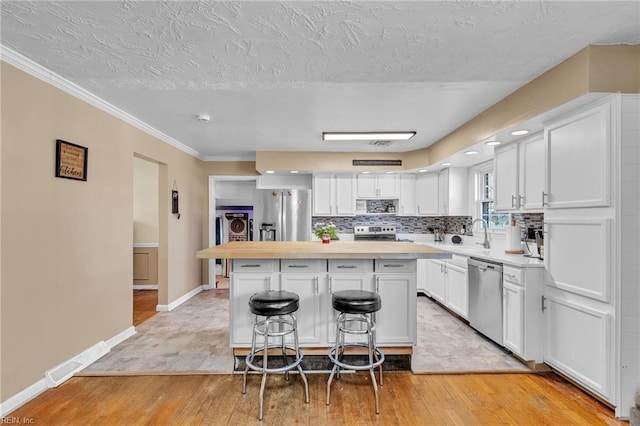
[238, 158]
[25, 64]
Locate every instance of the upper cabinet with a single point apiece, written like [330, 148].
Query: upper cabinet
[377, 186]
[408, 205]
[452, 192]
[427, 194]
[334, 195]
[578, 158]
[519, 175]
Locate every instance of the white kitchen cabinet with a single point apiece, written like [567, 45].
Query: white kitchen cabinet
[436, 280]
[395, 282]
[427, 194]
[247, 278]
[377, 186]
[513, 317]
[457, 289]
[578, 159]
[306, 278]
[334, 195]
[408, 204]
[452, 192]
[422, 276]
[519, 175]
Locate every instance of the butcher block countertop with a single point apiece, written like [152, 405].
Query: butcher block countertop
[318, 250]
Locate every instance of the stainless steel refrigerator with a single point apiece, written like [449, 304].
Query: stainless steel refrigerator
[284, 214]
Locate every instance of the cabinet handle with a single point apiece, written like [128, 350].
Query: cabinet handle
[268, 283]
[377, 284]
[346, 267]
[513, 201]
[543, 306]
[393, 265]
[330, 285]
[315, 280]
[520, 200]
[298, 266]
[251, 266]
[545, 195]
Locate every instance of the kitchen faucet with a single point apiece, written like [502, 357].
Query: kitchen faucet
[486, 243]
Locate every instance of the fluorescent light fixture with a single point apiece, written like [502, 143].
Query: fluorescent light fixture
[446, 163]
[492, 143]
[520, 132]
[367, 136]
[472, 152]
[270, 171]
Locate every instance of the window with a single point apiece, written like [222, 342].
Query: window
[485, 199]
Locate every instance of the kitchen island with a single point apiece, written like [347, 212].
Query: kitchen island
[314, 271]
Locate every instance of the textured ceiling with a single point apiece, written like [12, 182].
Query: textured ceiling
[275, 75]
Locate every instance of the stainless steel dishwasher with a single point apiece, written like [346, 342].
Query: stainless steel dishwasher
[485, 298]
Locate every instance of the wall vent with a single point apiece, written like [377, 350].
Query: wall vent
[64, 371]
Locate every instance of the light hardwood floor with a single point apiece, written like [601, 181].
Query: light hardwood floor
[406, 399]
[144, 305]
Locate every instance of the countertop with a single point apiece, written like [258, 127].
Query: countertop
[496, 255]
[318, 250]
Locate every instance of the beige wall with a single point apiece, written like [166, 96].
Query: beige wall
[145, 201]
[79, 234]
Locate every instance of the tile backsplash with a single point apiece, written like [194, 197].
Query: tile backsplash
[420, 224]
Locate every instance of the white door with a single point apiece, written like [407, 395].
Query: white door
[513, 317]
[443, 192]
[532, 173]
[394, 320]
[340, 282]
[243, 286]
[427, 194]
[366, 186]
[345, 200]
[457, 290]
[436, 280]
[505, 171]
[388, 186]
[307, 287]
[322, 195]
[408, 206]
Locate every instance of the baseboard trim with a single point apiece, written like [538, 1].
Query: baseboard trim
[21, 398]
[65, 369]
[145, 286]
[179, 301]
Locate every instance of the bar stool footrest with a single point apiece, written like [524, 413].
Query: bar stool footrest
[334, 359]
[283, 369]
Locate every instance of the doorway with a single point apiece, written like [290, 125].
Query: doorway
[145, 239]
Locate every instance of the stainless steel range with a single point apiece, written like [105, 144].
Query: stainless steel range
[374, 233]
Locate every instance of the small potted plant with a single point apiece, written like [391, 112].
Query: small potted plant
[326, 232]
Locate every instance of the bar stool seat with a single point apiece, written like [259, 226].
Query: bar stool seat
[277, 308]
[357, 317]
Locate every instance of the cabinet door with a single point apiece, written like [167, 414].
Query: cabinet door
[427, 194]
[457, 290]
[345, 201]
[443, 192]
[340, 282]
[513, 317]
[243, 286]
[307, 287]
[436, 280]
[422, 275]
[395, 322]
[408, 206]
[388, 186]
[531, 173]
[505, 169]
[578, 159]
[366, 186]
[322, 195]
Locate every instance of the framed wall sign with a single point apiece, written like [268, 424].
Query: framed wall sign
[71, 160]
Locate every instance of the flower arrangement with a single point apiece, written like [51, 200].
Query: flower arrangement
[326, 228]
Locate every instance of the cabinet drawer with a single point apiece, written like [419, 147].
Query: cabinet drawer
[349, 265]
[255, 265]
[303, 265]
[391, 265]
[513, 275]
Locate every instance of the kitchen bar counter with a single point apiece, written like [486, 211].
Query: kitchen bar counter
[318, 250]
[315, 271]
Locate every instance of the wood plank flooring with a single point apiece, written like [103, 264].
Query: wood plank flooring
[144, 305]
[405, 399]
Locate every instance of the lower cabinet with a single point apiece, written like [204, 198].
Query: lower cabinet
[395, 282]
[307, 287]
[513, 317]
[447, 283]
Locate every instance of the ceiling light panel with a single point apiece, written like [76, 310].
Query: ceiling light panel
[367, 136]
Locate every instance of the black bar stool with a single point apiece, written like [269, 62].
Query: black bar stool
[357, 316]
[277, 308]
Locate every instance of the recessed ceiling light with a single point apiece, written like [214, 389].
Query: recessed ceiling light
[365, 173]
[471, 152]
[293, 171]
[270, 171]
[388, 172]
[422, 170]
[446, 163]
[367, 136]
[492, 143]
[203, 118]
[520, 132]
